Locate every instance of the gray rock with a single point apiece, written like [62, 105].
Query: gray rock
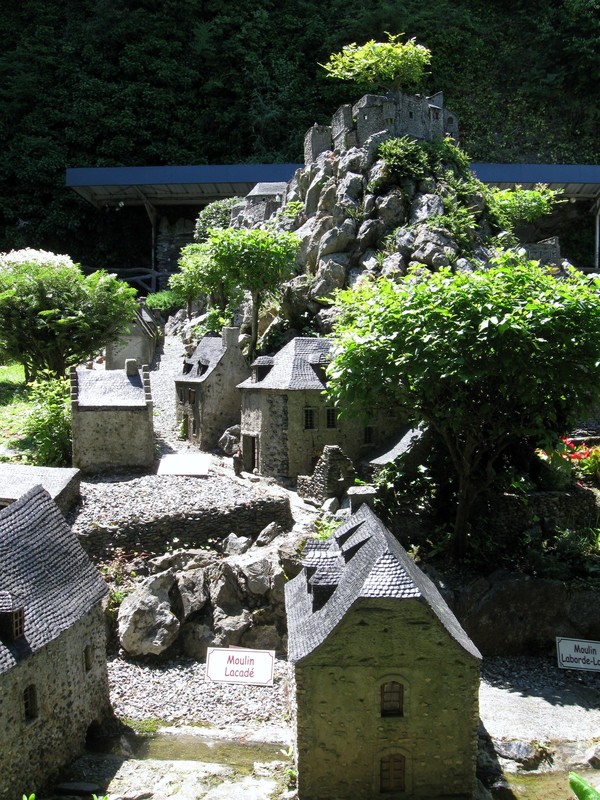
[424, 206]
[229, 629]
[405, 241]
[391, 209]
[331, 275]
[314, 192]
[181, 559]
[236, 545]
[327, 197]
[321, 226]
[257, 575]
[464, 265]
[331, 505]
[263, 637]
[268, 534]
[351, 160]
[146, 624]
[368, 205]
[350, 186]
[325, 319]
[369, 261]
[369, 233]
[371, 147]
[223, 588]
[338, 239]
[394, 266]
[195, 639]
[230, 440]
[431, 255]
[377, 176]
[193, 593]
[345, 208]
[304, 233]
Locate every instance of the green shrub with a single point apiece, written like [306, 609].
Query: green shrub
[167, 301]
[214, 215]
[48, 424]
[405, 158]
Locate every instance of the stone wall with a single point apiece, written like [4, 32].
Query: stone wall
[71, 689]
[196, 530]
[107, 438]
[339, 720]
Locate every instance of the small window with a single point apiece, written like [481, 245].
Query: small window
[30, 703]
[410, 115]
[180, 393]
[309, 419]
[392, 699]
[88, 658]
[332, 418]
[194, 427]
[392, 773]
[450, 120]
[191, 396]
[18, 622]
[368, 435]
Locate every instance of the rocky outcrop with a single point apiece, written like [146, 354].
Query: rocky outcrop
[201, 598]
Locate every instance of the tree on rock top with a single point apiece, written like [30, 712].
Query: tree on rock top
[485, 358]
[392, 65]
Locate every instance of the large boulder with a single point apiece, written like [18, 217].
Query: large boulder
[146, 623]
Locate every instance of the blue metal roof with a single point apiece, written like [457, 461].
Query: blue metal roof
[191, 185]
[577, 180]
[196, 185]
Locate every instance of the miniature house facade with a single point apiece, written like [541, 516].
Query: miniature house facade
[386, 680]
[140, 342]
[53, 678]
[207, 394]
[111, 418]
[286, 418]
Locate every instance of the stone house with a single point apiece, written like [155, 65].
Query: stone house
[53, 677]
[386, 680]
[139, 343]
[207, 394]
[398, 114]
[286, 418]
[111, 418]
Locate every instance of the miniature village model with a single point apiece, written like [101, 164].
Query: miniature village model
[53, 678]
[386, 680]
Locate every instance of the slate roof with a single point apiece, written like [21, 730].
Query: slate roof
[203, 360]
[371, 564]
[111, 388]
[43, 568]
[295, 366]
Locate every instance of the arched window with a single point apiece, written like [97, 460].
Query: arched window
[392, 699]
[392, 773]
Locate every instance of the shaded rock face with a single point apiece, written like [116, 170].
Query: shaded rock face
[199, 599]
[510, 614]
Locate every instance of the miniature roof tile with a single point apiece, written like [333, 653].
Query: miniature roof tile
[380, 569]
[44, 566]
[9, 602]
[293, 366]
[208, 353]
[110, 387]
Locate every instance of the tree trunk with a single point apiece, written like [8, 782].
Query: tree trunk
[467, 492]
[254, 331]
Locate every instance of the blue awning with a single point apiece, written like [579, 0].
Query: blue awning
[188, 185]
[576, 180]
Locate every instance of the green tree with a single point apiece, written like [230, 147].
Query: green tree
[233, 260]
[52, 316]
[255, 260]
[214, 215]
[485, 359]
[375, 65]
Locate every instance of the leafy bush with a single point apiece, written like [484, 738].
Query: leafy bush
[167, 301]
[510, 206]
[405, 157]
[389, 65]
[214, 215]
[48, 424]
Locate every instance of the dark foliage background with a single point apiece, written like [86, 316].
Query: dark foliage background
[92, 83]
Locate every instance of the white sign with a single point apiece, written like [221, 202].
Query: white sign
[240, 665]
[578, 654]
